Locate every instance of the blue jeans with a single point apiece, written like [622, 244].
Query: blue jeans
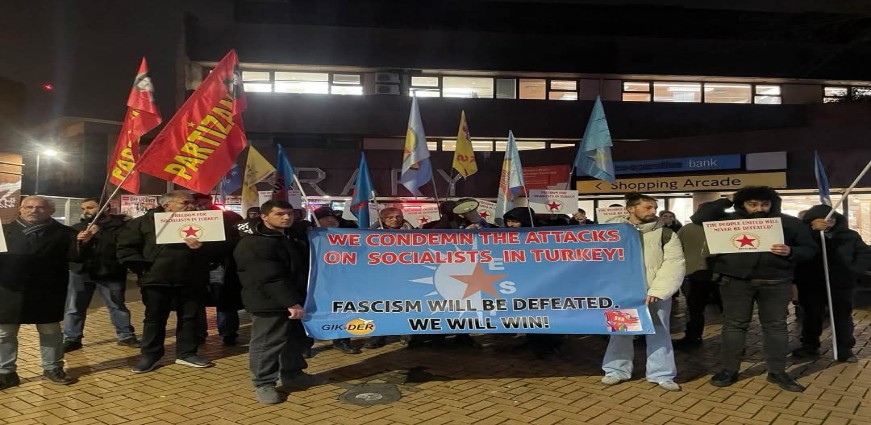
[660, 356]
[81, 291]
[51, 347]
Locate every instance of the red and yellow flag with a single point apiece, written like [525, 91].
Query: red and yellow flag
[142, 116]
[201, 142]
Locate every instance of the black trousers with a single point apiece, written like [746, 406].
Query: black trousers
[187, 301]
[813, 299]
[700, 292]
[276, 348]
[772, 300]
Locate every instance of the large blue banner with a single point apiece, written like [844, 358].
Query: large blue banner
[562, 280]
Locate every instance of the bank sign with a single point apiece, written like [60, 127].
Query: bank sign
[675, 165]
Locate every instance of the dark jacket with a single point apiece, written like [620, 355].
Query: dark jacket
[758, 265]
[34, 274]
[849, 257]
[226, 294]
[166, 264]
[524, 215]
[273, 268]
[102, 260]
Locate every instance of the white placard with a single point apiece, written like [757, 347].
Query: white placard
[418, 215]
[206, 226]
[487, 211]
[603, 215]
[750, 235]
[2, 240]
[550, 201]
[136, 205]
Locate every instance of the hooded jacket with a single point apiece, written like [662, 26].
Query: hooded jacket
[664, 264]
[758, 265]
[522, 214]
[849, 257]
[102, 259]
[272, 266]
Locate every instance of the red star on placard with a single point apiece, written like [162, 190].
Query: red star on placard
[554, 205]
[479, 281]
[484, 215]
[745, 241]
[424, 219]
[190, 231]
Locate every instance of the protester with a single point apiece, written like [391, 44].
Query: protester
[702, 283]
[669, 220]
[470, 218]
[447, 218]
[273, 269]
[33, 287]
[392, 218]
[849, 257]
[98, 271]
[762, 278]
[171, 276]
[664, 266]
[580, 218]
[224, 290]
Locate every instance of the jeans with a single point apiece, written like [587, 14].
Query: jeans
[813, 299]
[660, 355]
[700, 292]
[81, 291]
[51, 346]
[188, 302]
[276, 348]
[772, 300]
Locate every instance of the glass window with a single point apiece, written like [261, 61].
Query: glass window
[302, 82]
[449, 145]
[432, 146]
[682, 209]
[255, 76]
[506, 88]
[339, 89]
[859, 211]
[728, 93]
[561, 145]
[677, 92]
[564, 85]
[257, 87]
[767, 95]
[636, 97]
[528, 146]
[562, 95]
[424, 92]
[353, 79]
[533, 88]
[834, 94]
[482, 145]
[469, 87]
[636, 86]
[636, 91]
[424, 81]
[860, 92]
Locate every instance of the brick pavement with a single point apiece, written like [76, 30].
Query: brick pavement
[490, 384]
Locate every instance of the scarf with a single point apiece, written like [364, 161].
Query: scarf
[30, 229]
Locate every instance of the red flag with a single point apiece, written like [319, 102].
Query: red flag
[201, 142]
[142, 116]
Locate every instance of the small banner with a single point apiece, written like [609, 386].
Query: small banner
[581, 280]
[420, 214]
[137, 205]
[174, 227]
[607, 213]
[750, 235]
[551, 201]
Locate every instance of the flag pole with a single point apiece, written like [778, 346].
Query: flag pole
[826, 261]
[305, 199]
[106, 204]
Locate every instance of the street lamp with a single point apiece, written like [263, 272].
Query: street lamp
[49, 153]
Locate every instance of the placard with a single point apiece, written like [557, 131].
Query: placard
[549, 201]
[2, 240]
[207, 226]
[136, 205]
[487, 210]
[750, 235]
[420, 214]
[603, 215]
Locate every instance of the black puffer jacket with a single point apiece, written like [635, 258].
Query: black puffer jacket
[272, 266]
[166, 264]
[849, 256]
[102, 259]
[758, 265]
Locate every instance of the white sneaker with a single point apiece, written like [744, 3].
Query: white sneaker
[669, 385]
[611, 380]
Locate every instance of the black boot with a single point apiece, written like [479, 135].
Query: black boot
[344, 345]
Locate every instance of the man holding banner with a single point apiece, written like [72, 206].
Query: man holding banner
[760, 277]
[664, 266]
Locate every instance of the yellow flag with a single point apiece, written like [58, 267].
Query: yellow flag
[257, 169]
[464, 155]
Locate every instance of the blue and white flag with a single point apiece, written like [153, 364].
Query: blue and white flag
[594, 155]
[416, 168]
[822, 180]
[511, 180]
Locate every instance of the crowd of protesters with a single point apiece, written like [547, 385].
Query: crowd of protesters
[51, 272]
